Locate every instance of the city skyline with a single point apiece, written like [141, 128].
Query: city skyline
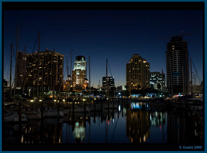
[114, 75]
[113, 34]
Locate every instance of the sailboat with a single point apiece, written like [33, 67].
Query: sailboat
[52, 112]
[32, 114]
[14, 117]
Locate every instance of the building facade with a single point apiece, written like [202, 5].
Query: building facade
[50, 71]
[157, 80]
[108, 82]
[79, 73]
[137, 73]
[177, 65]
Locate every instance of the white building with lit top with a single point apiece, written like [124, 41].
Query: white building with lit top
[79, 73]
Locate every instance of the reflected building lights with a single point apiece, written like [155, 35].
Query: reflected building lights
[139, 121]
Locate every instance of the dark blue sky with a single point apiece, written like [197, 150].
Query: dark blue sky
[100, 34]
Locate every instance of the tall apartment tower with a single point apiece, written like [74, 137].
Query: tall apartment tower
[137, 73]
[50, 70]
[79, 73]
[177, 66]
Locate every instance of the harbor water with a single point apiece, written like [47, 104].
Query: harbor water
[126, 124]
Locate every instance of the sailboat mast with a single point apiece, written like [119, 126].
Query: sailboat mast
[67, 66]
[11, 72]
[25, 67]
[71, 63]
[183, 81]
[106, 67]
[162, 80]
[89, 72]
[37, 82]
[16, 61]
[191, 75]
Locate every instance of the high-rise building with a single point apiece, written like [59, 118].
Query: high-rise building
[50, 71]
[157, 80]
[137, 73]
[177, 66]
[79, 73]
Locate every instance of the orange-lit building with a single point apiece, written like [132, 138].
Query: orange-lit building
[137, 73]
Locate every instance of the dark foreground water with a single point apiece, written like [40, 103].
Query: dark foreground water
[124, 128]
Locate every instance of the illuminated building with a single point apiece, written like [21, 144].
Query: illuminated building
[137, 73]
[50, 70]
[79, 73]
[157, 80]
[107, 82]
[177, 63]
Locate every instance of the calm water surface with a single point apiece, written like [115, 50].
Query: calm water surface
[127, 124]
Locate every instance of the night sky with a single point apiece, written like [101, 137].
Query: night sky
[100, 34]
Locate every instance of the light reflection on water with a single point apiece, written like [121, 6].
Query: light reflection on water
[132, 124]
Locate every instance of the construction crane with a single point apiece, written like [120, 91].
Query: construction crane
[182, 34]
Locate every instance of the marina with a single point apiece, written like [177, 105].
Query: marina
[102, 79]
[132, 122]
